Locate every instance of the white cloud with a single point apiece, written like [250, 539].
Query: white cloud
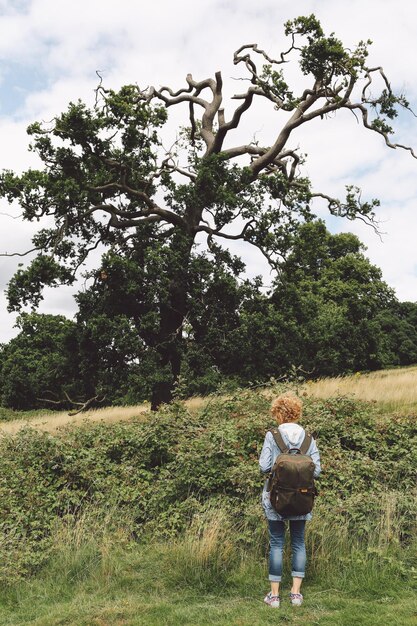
[159, 42]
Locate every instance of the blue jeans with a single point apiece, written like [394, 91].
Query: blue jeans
[276, 543]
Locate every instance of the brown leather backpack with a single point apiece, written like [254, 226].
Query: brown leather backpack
[291, 481]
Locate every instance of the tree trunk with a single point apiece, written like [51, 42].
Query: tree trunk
[173, 311]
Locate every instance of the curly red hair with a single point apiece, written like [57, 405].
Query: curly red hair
[286, 408]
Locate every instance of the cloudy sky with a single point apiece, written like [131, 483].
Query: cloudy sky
[50, 51]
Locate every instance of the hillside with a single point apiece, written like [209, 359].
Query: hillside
[156, 519]
[393, 390]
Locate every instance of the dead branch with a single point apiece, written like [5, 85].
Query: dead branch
[253, 46]
[86, 404]
[384, 134]
[50, 401]
[13, 217]
[21, 253]
[83, 405]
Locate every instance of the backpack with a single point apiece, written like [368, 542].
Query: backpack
[291, 481]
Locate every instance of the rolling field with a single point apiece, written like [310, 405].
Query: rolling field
[394, 390]
[157, 522]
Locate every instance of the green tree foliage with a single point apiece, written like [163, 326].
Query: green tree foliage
[398, 325]
[107, 180]
[329, 312]
[40, 363]
[118, 321]
[332, 294]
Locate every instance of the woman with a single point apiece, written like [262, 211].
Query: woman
[286, 409]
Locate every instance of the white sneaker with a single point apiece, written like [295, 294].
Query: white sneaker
[272, 600]
[296, 599]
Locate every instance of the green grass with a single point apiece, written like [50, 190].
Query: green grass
[203, 562]
[98, 577]
[9, 415]
[139, 586]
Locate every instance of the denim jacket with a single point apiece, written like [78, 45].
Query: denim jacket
[293, 435]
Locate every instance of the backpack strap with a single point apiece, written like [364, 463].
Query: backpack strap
[282, 445]
[306, 443]
[279, 440]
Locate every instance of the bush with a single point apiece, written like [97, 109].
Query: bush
[167, 469]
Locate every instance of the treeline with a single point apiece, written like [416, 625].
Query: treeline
[328, 312]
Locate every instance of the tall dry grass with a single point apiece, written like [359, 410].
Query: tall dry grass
[393, 389]
[211, 554]
[54, 421]
[90, 545]
[206, 552]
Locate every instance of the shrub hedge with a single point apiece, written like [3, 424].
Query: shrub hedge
[163, 469]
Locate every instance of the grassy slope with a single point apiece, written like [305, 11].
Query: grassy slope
[51, 422]
[136, 585]
[394, 390]
[133, 590]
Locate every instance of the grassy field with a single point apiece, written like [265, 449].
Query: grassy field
[100, 573]
[103, 580]
[51, 422]
[394, 390]
[141, 593]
